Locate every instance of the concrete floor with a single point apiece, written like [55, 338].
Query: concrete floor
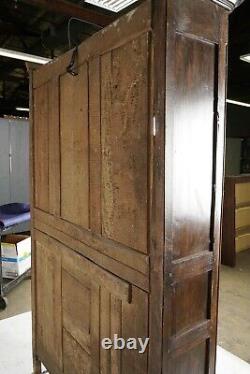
[234, 307]
[16, 349]
[19, 300]
[16, 352]
[234, 318]
[16, 345]
[227, 363]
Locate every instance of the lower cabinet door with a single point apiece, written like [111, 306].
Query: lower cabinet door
[87, 304]
[47, 299]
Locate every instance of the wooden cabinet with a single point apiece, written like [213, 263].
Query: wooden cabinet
[126, 195]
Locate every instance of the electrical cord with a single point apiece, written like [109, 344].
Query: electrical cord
[69, 24]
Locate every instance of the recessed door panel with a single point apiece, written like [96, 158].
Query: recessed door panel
[193, 145]
[124, 131]
[74, 147]
[193, 148]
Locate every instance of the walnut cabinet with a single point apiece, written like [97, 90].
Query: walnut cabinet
[127, 172]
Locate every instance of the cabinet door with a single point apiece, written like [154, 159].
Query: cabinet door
[97, 305]
[79, 304]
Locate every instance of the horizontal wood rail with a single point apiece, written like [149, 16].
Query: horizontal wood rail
[190, 338]
[191, 266]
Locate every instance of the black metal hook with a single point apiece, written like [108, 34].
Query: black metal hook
[72, 67]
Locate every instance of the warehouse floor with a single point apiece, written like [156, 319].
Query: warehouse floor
[234, 317]
[19, 300]
[234, 307]
[16, 352]
[15, 345]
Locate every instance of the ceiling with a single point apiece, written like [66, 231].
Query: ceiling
[238, 117]
[40, 27]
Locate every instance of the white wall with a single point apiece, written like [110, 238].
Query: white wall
[14, 163]
[233, 155]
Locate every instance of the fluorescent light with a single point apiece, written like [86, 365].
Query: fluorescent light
[23, 56]
[112, 5]
[240, 103]
[245, 58]
[21, 109]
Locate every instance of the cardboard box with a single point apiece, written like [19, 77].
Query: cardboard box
[16, 255]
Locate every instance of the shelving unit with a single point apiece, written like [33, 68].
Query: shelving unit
[236, 218]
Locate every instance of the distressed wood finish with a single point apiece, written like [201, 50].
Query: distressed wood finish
[194, 170]
[126, 221]
[74, 144]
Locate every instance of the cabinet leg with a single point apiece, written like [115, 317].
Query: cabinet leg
[37, 368]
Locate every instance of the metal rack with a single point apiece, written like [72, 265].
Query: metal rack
[6, 287]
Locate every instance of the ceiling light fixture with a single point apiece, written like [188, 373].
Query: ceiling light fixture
[245, 58]
[240, 103]
[22, 109]
[112, 5]
[24, 56]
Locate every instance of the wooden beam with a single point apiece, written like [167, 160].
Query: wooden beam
[10, 78]
[10, 29]
[73, 10]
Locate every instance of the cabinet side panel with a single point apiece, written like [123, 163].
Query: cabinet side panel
[193, 145]
[194, 169]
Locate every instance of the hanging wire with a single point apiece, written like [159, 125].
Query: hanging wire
[72, 67]
[78, 20]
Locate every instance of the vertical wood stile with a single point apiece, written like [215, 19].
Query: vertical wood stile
[95, 144]
[36, 361]
[54, 147]
[95, 327]
[156, 220]
[105, 321]
[115, 328]
[220, 160]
